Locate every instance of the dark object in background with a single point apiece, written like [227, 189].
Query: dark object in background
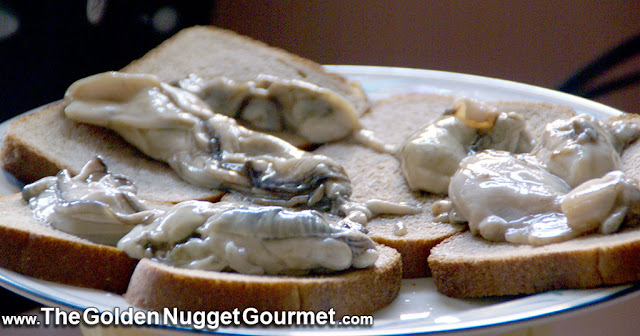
[582, 83]
[47, 45]
[13, 304]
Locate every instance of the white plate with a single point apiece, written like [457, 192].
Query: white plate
[418, 308]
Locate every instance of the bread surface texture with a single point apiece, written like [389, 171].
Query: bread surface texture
[32, 248]
[352, 292]
[469, 266]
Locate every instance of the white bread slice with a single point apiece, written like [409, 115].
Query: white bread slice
[45, 142]
[352, 292]
[376, 175]
[469, 266]
[32, 248]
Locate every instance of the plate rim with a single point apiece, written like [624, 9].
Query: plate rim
[366, 70]
[567, 98]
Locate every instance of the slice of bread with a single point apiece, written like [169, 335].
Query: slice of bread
[352, 292]
[469, 266]
[211, 52]
[32, 248]
[378, 176]
[42, 143]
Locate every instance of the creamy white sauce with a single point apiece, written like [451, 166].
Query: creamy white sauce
[399, 229]
[368, 138]
[94, 204]
[250, 239]
[363, 212]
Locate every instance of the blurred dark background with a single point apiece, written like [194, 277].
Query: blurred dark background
[542, 42]
[46, 45]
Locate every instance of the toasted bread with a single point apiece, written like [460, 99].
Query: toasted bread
[469, 266]
[42, 143]
[210, 52]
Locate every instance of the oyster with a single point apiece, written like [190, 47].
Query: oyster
[250, 239]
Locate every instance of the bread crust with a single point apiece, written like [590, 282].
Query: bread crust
[469, 266]
[353, 292]
[22, 160]
[25, 162]
[42, 143]
[414, 252]
[33, 249]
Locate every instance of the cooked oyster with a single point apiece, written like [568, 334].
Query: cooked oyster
[507, 197]
[578, 149]
[205, 148]
[250, 239]
[273, 104]
[94, 204]
[432, 155]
